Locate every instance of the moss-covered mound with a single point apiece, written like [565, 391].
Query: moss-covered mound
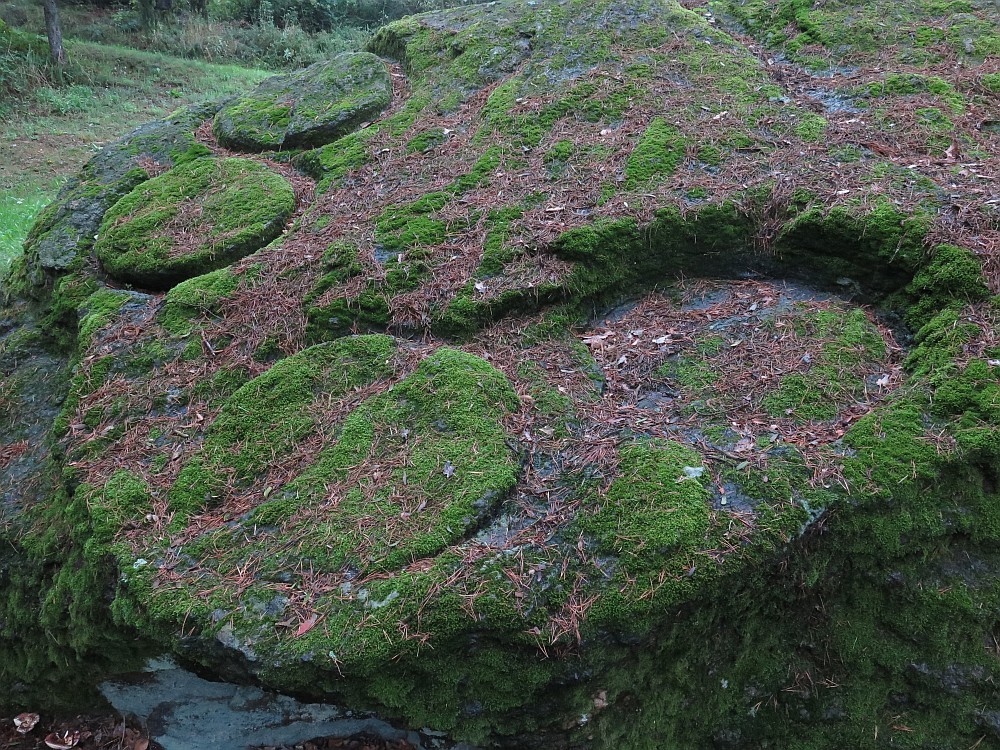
[314, 106]
[65, 230]
[193, 219]
[633, 380]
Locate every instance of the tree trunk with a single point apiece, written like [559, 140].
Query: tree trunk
[54, 31]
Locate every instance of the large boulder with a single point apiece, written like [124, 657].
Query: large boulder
[629, 382]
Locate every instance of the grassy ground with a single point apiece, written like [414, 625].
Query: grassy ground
[48, 130]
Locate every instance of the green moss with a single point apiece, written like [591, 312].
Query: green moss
[710, 155]
[528, 131]
[480, 172]
[694, 375]
[194, 298]
[440, 430]
[656, 155]
[953, 274]
[848, 154]
[467, 312]
[657, 508]
[928, 36]
[61, 317]
[274, 512]
[836, 377]
[972, 392]
[99, 310]
[991, 82]
[339, 263]
[269, 416]
[124, 499]
[192, 349]
[88, 377]
[223, 383]
[904, 84]
[810, 127]
[263, 123]
[940, 341]
[369, 311]
[560, 152]
[330, 164]
[803, 396]
[310, 107]
[870, 598]
[142, 359]
[879, 246]
[555, 411]
[426, 141]
[890, 448]
[232, 206]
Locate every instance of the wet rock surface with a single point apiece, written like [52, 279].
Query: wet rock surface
[181, 711]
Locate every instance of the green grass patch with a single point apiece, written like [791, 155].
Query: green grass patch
[17, 214]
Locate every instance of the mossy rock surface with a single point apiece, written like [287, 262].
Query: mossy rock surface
[193, 219]
[65, 230]
[309, 108]
[625, 384]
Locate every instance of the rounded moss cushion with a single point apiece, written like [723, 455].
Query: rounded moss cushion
[197, 217]
[309, 108]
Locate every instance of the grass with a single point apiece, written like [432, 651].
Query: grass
[49, 129]
[17, 212]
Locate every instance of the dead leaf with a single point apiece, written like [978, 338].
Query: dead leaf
[64, 741]
[141, 744]
[306, 626]
[25, 722]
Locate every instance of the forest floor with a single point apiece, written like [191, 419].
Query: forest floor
[110, 732]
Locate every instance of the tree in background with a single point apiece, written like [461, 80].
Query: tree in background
[53, 30]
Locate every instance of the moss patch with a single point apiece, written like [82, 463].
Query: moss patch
[272, 414]
[193, 219]
[309, 108]
[657, 154]
[439, 430]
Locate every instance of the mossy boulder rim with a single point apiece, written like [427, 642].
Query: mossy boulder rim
[630, 380]
[193, 219]
[310, 108]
